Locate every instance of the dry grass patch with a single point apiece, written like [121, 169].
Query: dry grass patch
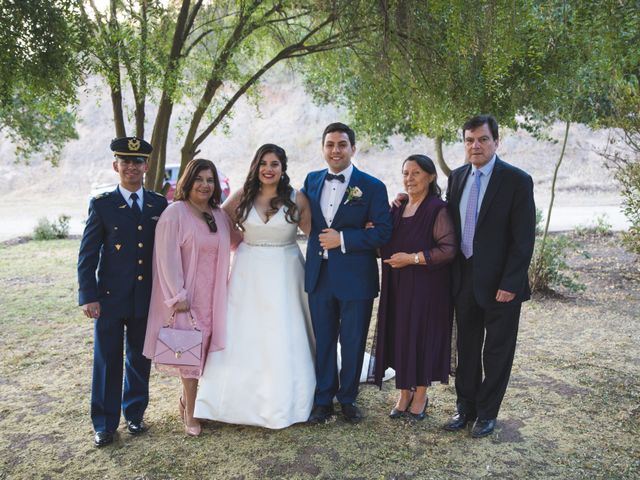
[571, 411]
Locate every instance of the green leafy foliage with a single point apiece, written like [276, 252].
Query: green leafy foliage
[40, 67]
[47, 230]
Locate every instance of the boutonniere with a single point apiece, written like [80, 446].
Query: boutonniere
[353, 193]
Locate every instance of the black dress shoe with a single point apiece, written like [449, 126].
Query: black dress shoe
[351, 413]
[482, 428]
[136, 428]
[421, 415]
[395, 413]
[458, 422]
[102, 438]
[320, 413]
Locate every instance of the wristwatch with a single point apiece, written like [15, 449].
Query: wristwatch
[416, 258]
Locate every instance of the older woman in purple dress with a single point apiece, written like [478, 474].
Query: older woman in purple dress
[415, 312]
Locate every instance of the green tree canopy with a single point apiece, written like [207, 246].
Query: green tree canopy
[40, 69]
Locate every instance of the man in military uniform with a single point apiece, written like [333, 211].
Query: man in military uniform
[114, 274]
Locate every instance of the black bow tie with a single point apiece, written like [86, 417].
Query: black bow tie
[331, 176]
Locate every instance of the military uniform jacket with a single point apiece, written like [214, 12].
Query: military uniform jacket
[114, 263]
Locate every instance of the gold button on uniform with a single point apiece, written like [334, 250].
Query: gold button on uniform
[140, 262]
[139, 227]
[139, 277]
[140, 245]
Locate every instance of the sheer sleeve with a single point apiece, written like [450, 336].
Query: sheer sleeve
[445, 238]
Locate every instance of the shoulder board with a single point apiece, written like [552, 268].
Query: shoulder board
[151, 192]
[102, 195]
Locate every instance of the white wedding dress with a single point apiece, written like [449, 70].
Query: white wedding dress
[265, 374]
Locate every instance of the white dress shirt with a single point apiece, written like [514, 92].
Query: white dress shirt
[126, 194]
[332, 193]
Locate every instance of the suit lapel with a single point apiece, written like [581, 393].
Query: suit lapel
[355, 177]
[315, 193]
[462, 180]
[120, 204]
[492, 188]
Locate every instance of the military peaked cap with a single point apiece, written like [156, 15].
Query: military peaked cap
[131, 148]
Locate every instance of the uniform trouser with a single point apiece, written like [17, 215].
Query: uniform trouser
[333, 318]
[486, 345]
[107, 393]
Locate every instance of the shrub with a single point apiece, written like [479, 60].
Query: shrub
[599, 228]
[629, 178]
[46, 230]
[549, 269]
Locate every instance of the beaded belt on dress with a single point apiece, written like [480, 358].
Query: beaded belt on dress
[267, 244]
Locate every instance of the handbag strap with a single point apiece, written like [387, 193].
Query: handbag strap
[171, 321]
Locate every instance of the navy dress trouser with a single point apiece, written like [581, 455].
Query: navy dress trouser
[107, 393]
[347, 320]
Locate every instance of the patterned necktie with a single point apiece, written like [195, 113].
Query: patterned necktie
[331, 176]
[134, 205]
[471, 216]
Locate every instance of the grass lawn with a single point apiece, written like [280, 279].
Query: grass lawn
[572, 409]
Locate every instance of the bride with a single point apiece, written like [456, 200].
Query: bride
[265, 376]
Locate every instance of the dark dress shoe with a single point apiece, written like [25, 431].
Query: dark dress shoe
[482, 428]
[320, 414]
[395, 413]
[422, 415]
[136, 428]
[351, 413]
[102, 438]
[458, 422]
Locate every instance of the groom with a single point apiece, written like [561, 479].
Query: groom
[341, 274]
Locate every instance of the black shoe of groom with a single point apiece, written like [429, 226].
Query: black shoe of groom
[101, 439]
[351, 413]
[320, 414]
[136, 428]
[482, 428]
[458, 422]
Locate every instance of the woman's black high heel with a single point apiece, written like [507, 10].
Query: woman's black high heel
[422, 415]
[395, 413]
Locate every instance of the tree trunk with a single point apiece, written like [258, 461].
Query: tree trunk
[440, 156]
[140, 116]
[142, 87]
[157, 160]
[116, 87]
[540, 260]
[118, 115]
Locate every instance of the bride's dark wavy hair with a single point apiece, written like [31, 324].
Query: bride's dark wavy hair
[252, 187]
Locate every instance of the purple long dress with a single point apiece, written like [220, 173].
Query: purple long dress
[415, 314]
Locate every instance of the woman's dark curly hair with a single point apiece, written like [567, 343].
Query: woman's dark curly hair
[252, 187]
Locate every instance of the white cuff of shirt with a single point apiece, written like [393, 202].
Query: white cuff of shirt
[342, 247]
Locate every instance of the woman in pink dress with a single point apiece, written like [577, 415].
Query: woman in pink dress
[190, 269]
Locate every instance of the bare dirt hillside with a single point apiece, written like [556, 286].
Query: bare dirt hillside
[288, 117]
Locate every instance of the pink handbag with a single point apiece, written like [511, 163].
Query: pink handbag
[178, 347]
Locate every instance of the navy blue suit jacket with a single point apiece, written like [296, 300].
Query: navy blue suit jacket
[114, 263]
[354, 275]
[505, 233]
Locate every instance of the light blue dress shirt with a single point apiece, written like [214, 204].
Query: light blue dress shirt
[486, 170]
[126, 194]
